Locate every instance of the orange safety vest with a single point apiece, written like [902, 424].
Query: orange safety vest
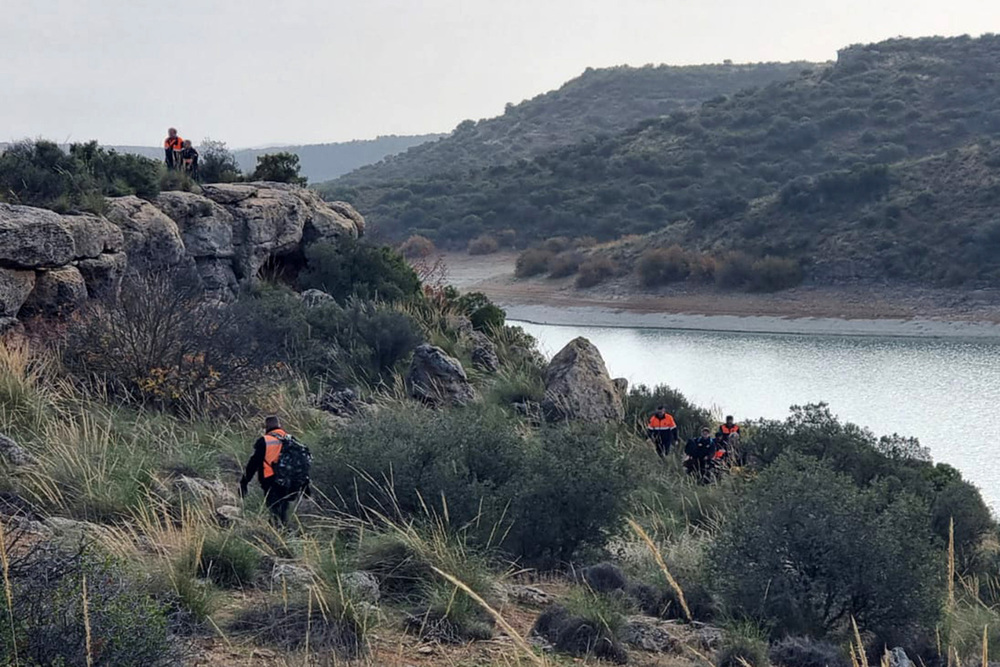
[657, 424]
[726, 430]
[272, 450]
[174, 144]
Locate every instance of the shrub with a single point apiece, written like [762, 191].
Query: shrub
[483, 313]
[483, 245]
[734, 270]
[584, 242]
[278, 168]
[595, 271]
[860, 554]
[743, 646]
[642, 401]
[216, 163]
[773, 274]
[125, 625]
[228, 560]
[42, 174]
[659, 266]
[565, 264]
[290, 625]
[417, 247]
[532, 262]
[352, 268]
[557, 244]
[807, 652]
[587, 625]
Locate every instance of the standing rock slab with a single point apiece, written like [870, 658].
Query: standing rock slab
[483, 351]
[206, 227]
[578, 387]
[436, 378]
[103, 275]
[15, 286]
[93, 236]
[58, 292]
[32, 238]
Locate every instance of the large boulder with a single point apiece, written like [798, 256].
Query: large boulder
[103, 274]
[346, 210]
[438, 379]
[217, 278]
[578, 387]
[206, 227]
[483, 351]
[58, 292]
[152, 239]
[32, 238]
[93, 236]
[15, 286]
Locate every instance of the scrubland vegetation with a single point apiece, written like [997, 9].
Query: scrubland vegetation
[428, 522]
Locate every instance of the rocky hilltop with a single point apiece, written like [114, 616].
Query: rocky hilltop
[50, 264]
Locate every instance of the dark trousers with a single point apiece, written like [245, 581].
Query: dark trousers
[168, 157]
[278, 498]
[703, 467]
[662, 440]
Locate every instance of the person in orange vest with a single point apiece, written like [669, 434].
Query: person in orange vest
[702, 455]
[728, 436]
[662, 430]
[266, 451]
[172, 147]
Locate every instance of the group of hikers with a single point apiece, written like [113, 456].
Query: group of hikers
[180, 154]
[704, 455]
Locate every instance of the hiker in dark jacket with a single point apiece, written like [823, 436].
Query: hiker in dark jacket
[265, 455]
[701, 453]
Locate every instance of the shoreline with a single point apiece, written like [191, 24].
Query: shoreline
[859, 311]
[612, 318]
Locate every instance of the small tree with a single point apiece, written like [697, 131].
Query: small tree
[218, 164]
[279, 168]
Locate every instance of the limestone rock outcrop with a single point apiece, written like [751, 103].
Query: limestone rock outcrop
[438, 379]
[578, 387]
[50, 264]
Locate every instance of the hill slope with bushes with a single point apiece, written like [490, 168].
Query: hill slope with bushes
[888, 150]
[598, 102]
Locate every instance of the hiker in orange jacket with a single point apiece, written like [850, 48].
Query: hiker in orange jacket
[172, 147]
[662, 430]
[266, 451]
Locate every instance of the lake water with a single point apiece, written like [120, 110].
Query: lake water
[945, 392]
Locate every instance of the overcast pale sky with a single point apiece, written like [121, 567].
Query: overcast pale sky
[253, 72]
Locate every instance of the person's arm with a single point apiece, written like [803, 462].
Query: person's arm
[254, 465]
[672, 435]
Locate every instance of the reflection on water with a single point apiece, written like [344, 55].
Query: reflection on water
[944, 392]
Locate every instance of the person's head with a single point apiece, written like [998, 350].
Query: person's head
[706, 432]
[172, 132]
[729, 420]
[272, 423]
[660, 411]
[187, 143]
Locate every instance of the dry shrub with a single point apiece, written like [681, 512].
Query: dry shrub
[565, 264]
[595, 271]
[773, 274]
[532, 262]
[417, 247]
[557, 244]
[659, 266]
[734, 270]
[483, 245]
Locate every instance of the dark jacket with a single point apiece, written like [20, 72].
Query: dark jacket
[256, 464]
[701, 448]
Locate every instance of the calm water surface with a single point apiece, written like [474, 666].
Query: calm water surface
[944, 392]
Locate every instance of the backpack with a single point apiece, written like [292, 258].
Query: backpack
[291, 470]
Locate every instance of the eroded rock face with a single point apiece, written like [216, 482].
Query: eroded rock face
[57, 293]
[32, 238]
[152, 239]
[206, 227]
[94, 236]
[438, 379]
[578, 387]
[15, 286]
[103, 274]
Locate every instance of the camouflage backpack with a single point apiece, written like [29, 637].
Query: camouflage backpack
[292, 467]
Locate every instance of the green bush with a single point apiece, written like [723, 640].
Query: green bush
[659, 266]
[216, 163]
[595, 271]
[807, 652]
[42, 174]
[293, 624]
[556, 491]
[586, 624]
[125, 625]
[278, 168]
[483, 245]
[824, 551]
[642, 401]
[532, 262]
[743, 645]
[772, 274]
[352, 268]
[483, 313]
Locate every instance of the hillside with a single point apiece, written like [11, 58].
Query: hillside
[773, 170]
[598, 102]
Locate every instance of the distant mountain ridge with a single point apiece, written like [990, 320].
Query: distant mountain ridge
[319, 162]
[884, 166]
[598, 102]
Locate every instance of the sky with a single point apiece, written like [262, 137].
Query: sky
[256, 72]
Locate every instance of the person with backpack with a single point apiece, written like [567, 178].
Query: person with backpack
[281, 464]
[662, 430]
[189, 159]
[702, 455]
